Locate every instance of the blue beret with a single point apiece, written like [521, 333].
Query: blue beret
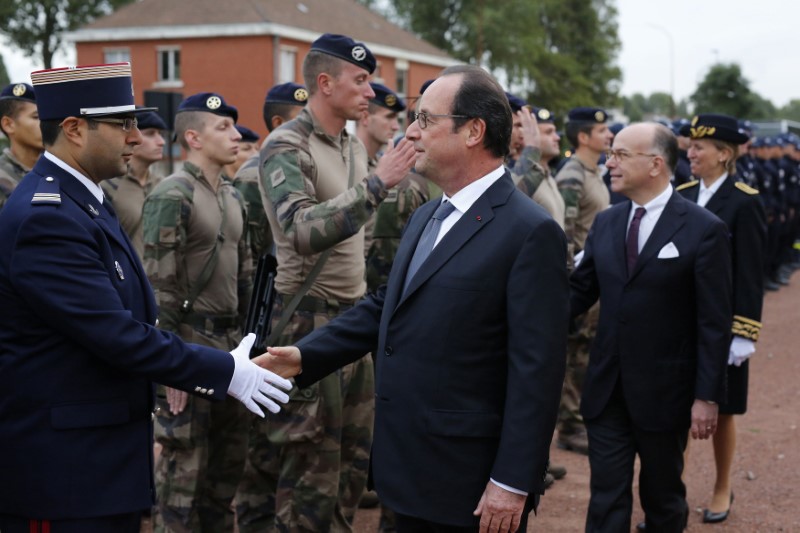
[714, 126]
[150, 120]
[587, 114]
[758, 142]
[616, 127]
[85, 91]
[677, 124]
[385, 97]
[248, 135]
[287, 93]
[425, 85]
[18, 91]
[515, 102]
[345, 48]
[210, 103]
[543, 115]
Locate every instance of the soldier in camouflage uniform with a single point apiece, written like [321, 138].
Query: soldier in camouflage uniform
[198, 261]
[19, 122]
[585, 194]
[127, 193]
[533, 145]
[282, 104]
[307, 468]
[248, 148]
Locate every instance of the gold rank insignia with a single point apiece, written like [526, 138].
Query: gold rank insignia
[19, 89]
[301, 95]
[745, 188]
[213, 102]
[390, 100]
[701, 131]
[358, 53]
[600, 116]
[543, 114]
[694, 120]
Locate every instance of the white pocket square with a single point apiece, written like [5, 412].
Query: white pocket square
[669, 251]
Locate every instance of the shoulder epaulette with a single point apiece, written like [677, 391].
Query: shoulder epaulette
[745, 188]
[47, 193]
[686, 185]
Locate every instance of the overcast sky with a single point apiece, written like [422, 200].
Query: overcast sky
[763, 36]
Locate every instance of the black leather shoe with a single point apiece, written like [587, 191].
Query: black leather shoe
[714, 518]
[641, 526]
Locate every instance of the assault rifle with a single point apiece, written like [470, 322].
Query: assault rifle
[259, 312]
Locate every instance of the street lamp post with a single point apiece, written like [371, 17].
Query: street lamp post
[666, 32]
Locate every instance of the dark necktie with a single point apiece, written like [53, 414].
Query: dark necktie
[427, 240]
[632, 243]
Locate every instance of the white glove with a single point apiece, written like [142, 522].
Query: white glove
[741, 350]
[252, 384]
[578, 258]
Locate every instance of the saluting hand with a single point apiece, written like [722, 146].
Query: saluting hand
[396, 162]
[530, 127]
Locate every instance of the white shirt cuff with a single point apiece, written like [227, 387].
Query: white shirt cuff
[509, 489]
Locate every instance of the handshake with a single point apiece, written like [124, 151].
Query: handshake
[260, 380]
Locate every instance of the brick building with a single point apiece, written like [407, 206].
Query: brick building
[241, 48]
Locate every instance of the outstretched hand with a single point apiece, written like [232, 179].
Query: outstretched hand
[285, 361]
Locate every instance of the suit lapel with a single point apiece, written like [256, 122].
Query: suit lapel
[668, 223]
[720, 198]
[478, 216]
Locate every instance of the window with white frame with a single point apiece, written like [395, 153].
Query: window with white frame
[169, 63]
[116, 55]
[288, 60]
[401, 68]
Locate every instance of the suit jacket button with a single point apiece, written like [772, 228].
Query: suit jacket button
[197, 389]
[307, 393]
[388, 351]
[203, 391]
[210, 392]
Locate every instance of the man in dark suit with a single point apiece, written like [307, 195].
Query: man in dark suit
[78, 345]
[661, 268]
[471, 344]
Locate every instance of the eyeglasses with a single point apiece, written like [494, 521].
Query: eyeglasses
[423, 118]
[127, 123]
[622, 155]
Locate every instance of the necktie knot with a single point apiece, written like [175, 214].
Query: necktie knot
[639, 213]
[444, 210]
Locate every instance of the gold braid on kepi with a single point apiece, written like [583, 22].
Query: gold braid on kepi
[745, 327]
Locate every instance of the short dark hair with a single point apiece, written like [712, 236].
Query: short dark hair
[480, 96]
[272, 109]
[315, 63]
[572, 129]
[666, 144]
[52, 128]
[10, 107]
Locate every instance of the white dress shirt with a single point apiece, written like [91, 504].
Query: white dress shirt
[93, 187]
[706, 193]
[653, 210]
[463, 199]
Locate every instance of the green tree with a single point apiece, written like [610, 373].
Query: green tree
[791, 111]
[3, 73]
[725, 90]
[37, 28]
[562, 52]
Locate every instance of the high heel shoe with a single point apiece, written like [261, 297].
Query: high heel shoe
[714, 518]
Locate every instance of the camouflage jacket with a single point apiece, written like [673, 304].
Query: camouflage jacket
[127, 196]
[535, 181]
[312, 206]
[390, 219]
[182, 220]
[259, 232]
[585, 194]
[11, 173]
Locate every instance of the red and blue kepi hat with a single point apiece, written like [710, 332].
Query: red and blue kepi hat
[85, 91]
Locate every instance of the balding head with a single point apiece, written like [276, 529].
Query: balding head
[644, 158]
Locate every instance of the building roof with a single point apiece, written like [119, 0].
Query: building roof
[299, 19]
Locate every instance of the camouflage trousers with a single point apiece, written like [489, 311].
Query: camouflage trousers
[203, 455]
[307, 466]
[579, 344]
